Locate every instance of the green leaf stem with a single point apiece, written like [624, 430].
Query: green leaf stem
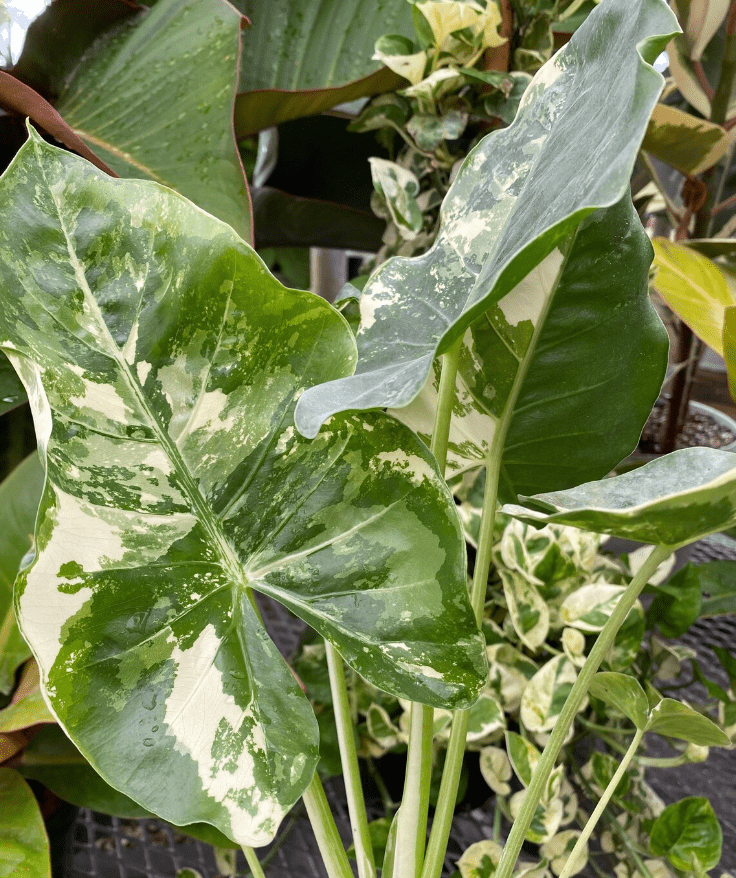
[162, 363]
[518, 198]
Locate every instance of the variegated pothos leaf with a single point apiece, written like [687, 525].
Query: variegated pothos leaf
[162, 362]
[518, 197]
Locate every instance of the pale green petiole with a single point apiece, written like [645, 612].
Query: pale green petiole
[601, 806]
[412, 818]
[328, 838]
[567, 715]
[349, 759]
[254, 865]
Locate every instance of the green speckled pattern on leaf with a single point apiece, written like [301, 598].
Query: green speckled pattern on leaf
[519, 194]
[155, 101]
[673, 500]
[162, 362]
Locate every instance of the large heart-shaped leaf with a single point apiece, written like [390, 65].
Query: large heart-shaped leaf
[300, 59]
[162, 363]
[20, 494]
[155, 101]
[564, 369]
[519, 196]
[688, 830]
[24, 846]
[671, 501]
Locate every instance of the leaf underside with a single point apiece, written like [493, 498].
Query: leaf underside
[519, 194]
[162, 363]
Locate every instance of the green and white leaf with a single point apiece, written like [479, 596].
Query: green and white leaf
[480, 859]
[495, 767]
[517, 199]
[20, 494]
[546, 821]
[687, 830]
[508, 674]
[527, 608]
[546, 693]
[671, 501]
[684, 141]
[694, 287]
[558, 849]
[700, 19]
[523, 755]
[589, 607]
[155, 101]
[519, 379]
[24, 846]
[162, 363]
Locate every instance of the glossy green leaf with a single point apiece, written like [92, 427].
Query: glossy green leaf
[20, 494]
[24, 846]
[676, 720]
[677, 602]
[524, 756]
[517, 199]
[685, 830]
[163, 363]
[12, 392]
[155, 100]
[61, 34]
[683, 141]
[673, 500]
[302, 59]
[623, 693]
[717, 583]
[695, 289]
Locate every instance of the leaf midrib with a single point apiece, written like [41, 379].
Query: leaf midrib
[204, 513]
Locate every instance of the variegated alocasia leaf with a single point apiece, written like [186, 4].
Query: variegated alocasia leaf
[155, 98]
[518, 198]
[564, 369]
[162, 363]
[671, 501]
[20, 494]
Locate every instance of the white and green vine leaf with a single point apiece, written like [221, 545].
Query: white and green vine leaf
[673, 500]
[480, 859]
[496, 769]
[687, 830]
[558, 849]
[154, 100]
[523, 755]
[293, 66]
[24, 845]
[527, 608]
[546, 693]
[20, 494]
[518, 198]
[676, 720]
[624, 693]
[519, 378]
[162, 363]
[589, 607]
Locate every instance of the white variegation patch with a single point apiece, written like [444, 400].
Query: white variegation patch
[529, 298]
[195, 709]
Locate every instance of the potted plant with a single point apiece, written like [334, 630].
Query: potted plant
[180, 392]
